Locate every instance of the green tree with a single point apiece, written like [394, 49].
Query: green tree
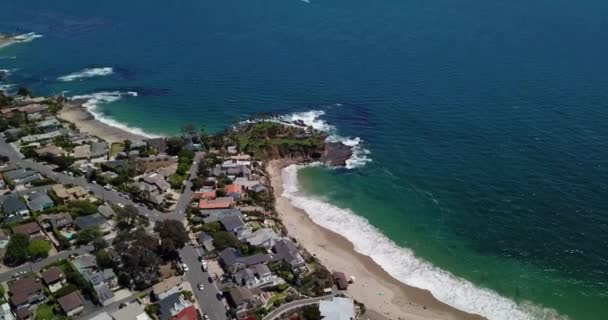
[104, 260]
[174, 145]
[212, 227]
[311, 312]
[87, 235]
[127, 145]
[224, 239]
[17, 249]
[173, 235]
[129, 214]
[39, 248]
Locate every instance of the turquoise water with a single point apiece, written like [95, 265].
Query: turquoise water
[484, 120]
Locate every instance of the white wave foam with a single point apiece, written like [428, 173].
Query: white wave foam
[95, 99]
[27, 37]
[403, 265]
[6, 87]
[313, 119]
[87, 73]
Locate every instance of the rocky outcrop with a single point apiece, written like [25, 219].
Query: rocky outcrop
[336, 154]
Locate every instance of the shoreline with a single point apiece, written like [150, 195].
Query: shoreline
[85, 121]
[397, 301]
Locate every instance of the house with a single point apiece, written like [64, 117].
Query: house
[239, 171]
[26, 292]
[90, 221]
[157, 144]
[69, 194]
[53, 278]
[102, 281]
[218, 203]
[52, 151]
[55, 220]
[22, 176]
[13, 134]
[257, 276]
[243, 298]
[167, 287]
[206, 241]
[82, 152]
[172, 305]
[232, 261]
[204, 194]
[31, 229]
[340, 280]
[99, 150]
[235, 225]
[337, 309]
[188, 313]
[108, 176]
[44, 138]
[4, 239]
[157, 180]
[264, 238]
[14, 206]
[132, 311]
[48, 125]
[215, 215]
[285, 250]
[234, 190]
[104, 316]
[257, 188]
[106, 211]
[71, 304]
[39, 201]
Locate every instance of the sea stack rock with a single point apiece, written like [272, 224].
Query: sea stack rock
[336, 154]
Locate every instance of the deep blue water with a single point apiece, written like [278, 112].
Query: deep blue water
[486, 120]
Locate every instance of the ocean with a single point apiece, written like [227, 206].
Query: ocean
[479, 126]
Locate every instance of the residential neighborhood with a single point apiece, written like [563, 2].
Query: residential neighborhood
[165, 228]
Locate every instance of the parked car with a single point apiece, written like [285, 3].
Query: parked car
[205, 316]
[200, 287]
[185, 267]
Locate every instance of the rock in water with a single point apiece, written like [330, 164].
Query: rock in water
[336, 154]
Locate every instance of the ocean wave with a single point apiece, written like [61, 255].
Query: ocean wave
[403, 265]
[87, 73]
[27, 37]
[313, 119]
[6, 87]
[95, 99]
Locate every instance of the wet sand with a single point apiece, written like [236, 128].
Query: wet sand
[86, 122]
[373, 286]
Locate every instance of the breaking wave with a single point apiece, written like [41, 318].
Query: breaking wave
[27, 37]
[87, 73]
[313, 119]
[403, 265]
[95, 99]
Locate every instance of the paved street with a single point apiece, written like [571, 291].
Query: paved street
[206, 298]
[37, 266]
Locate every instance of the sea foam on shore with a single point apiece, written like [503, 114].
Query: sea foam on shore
[87, 73]
[95, 99]
[313, 119]
[402, 264]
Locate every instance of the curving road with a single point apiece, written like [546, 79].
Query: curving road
[294, 305]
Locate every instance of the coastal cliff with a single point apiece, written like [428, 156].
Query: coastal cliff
[274, 140]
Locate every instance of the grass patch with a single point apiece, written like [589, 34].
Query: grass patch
[116, 148]
[47, 312]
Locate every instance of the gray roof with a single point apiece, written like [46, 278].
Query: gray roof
[90, 221]
[286, 250]
[40, 201]
[167, 304]
[232, 223]
[232, 258]
[99, 149]
[216, 215]
[13, 204]
[20, 174]
[262, 237]
[106, 211]
[130, 312]
[258, 188]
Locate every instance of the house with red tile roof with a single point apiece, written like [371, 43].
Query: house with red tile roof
[204, 195]
[219, 203]
[188, 313]
[234, 190]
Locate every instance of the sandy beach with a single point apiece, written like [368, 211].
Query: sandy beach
[86, 122]
[397, 301]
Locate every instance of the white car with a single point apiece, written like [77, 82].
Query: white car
[185, 267]
[200, 287]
